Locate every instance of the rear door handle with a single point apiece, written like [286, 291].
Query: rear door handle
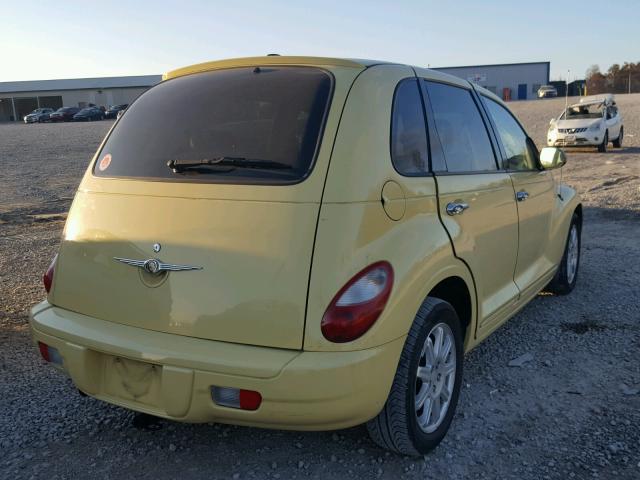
[456, 208]
[521, 196]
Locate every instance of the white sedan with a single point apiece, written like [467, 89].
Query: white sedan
[593, 121]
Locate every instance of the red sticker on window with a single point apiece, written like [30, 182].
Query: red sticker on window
[105, 162]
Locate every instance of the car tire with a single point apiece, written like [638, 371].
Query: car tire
[602, 148]
[617, 143]
[566, 276]
[403, 426]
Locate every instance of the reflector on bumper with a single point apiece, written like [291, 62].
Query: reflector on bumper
[236, 398]
[50, 354]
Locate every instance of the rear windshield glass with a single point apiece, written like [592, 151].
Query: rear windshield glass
[260, 125]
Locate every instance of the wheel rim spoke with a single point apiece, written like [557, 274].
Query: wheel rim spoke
[446, 348]
[572, 254]
[423, 419]
[445, 395]
[448, 368]
[422, 396]
[437, 342]
[436, 409]
[424, 373]
[429, 352]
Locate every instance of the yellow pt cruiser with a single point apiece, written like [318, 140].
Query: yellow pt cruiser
[304, 243]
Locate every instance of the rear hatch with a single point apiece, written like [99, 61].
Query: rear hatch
[233, 236]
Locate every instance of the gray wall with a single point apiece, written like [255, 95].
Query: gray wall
[498, 77]
[70, 98]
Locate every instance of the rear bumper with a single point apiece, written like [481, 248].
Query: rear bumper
[300, 390]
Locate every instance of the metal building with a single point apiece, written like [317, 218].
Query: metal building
[510, 81]
[19, 98]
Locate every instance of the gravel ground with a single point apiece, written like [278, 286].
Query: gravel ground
[571, 410]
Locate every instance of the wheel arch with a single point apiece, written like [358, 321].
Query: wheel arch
[455, 291]
[578, 211]
[453, 282]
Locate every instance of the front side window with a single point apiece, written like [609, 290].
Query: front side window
[463, 135]
[519, 155]
[408, 131]
[252, 125]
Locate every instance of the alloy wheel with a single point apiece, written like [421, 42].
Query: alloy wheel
[435, 377]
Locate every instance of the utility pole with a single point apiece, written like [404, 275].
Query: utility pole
[566, 92]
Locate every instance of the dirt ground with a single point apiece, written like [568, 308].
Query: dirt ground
[571, 411]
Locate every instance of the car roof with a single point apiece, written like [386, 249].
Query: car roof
[295, 60]
[267, 60]
[606, 98]
[587, 103]
[323, 61]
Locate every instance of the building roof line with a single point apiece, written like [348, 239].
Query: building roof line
[491, 65]
[79, 83]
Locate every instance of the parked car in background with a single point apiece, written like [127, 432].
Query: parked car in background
[64, 114]
[593, 121]
[39, 115]
[89, 114]
[294, 255]
[113, 110]
[546, 91]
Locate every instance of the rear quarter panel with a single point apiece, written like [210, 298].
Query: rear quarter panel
[354, 230]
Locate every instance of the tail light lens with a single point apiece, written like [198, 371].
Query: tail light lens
[357, 306]
[49, 353]
[47, 278]
[236, 398]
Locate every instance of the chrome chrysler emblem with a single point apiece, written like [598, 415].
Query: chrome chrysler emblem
[155, 266]
[152, 265]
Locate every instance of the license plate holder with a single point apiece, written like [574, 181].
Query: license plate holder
[132, 380]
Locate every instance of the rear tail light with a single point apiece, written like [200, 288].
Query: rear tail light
[236, 398]
[47, 278]
[49, 353]
[357, 306]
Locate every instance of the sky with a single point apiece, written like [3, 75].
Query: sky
[75, 39]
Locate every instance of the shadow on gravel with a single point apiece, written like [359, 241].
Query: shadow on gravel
[626, 150]
[614, 214]
[53, 210]
[582, 327]
[610, 150]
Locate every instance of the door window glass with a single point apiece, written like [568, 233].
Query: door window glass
[463, 135]
[519, 155]
[408, 131]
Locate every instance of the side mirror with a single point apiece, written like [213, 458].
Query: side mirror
[552, 157]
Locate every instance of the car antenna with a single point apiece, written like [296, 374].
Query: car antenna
[566, 94]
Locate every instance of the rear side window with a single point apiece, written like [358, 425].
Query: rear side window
[519, 155]
[463, 135]
[265, 122]
[408, 131]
